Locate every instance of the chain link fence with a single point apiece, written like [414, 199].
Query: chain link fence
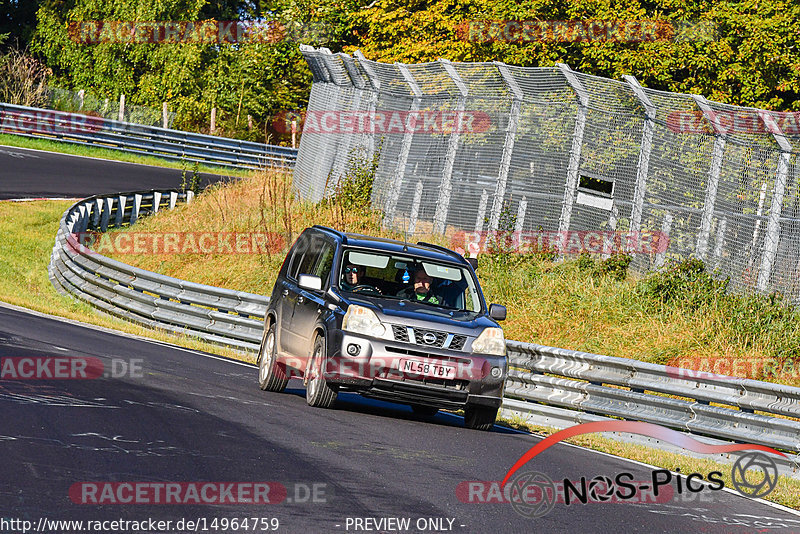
[552, 151]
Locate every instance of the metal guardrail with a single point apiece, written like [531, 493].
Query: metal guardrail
[139, 139]
[558, 386]
[222, 316]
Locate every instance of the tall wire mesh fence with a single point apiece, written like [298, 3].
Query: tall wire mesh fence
[554, 152]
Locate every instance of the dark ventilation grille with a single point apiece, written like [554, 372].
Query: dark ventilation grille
[400, 332]
[458, 342]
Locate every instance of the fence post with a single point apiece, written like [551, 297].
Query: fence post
[508, 145]
[773, 223]
[643, 165]
[213, 125]
[446, 187]
[396, 184]
[412, 225]
[666, 225]
[481, 211]
[81, 95]
[121, 116]
[713, 175]
[573, 168]
[375, 82]
[164, 115]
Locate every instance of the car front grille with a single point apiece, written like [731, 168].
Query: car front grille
[428, 338]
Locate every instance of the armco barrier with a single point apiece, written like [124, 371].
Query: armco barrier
[140, 139]
[553, 386]
[222, 316]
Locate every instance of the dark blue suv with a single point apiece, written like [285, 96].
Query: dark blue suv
[391, 320]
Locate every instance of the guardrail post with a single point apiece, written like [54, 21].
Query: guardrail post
[121, 114]
[98, 210]
[508, 145]
[164, 115]
[573, 169]
[173, 199]
[396, 184]
[412, 225]
[189, 197]
[120, 210]
[137, 203]
[773, 224]
[109, 204]
[156, 201]
[713, 175]
[443, 204]
[643, 165]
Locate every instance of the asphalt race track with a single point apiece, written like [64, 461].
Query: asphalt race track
[28, 173]
[188, 417]
[158, 415]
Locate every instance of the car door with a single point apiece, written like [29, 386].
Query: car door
[288, 292]
[309, 304]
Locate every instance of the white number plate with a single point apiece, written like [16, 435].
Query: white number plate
[433, 370]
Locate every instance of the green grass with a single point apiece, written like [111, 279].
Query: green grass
[31, 228]
[114, 155]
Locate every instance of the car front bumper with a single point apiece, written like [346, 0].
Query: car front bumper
[441, 378]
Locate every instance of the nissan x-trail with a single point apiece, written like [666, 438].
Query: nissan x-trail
[390, 320]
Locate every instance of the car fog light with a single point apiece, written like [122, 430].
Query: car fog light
[496, 372]
[353, 349]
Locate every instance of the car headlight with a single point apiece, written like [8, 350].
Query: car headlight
[361, 320]
[491, 341]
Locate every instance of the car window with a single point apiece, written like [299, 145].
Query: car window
[298, 252]
[325, 262]
[392, 276]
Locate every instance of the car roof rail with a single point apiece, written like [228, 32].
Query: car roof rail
[333, 231]
[441, 249]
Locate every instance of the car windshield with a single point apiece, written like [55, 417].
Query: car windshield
[407, 277]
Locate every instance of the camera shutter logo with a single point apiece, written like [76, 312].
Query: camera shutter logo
[532, 494]
[764, 480]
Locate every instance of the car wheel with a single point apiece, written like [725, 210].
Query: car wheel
[424, 411]
[271, 375]
[318, 393]
[479, 417]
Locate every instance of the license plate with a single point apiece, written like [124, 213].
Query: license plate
[433, 370]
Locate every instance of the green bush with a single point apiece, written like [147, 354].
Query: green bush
[683, 282]
[354, 188]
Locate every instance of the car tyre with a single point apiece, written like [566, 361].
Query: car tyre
[424, 411]
[479, 417]
[271, 375]
[318, 393]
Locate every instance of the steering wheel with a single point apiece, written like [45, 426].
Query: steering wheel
[366, 287]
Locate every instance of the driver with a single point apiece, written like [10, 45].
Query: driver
[352, 275]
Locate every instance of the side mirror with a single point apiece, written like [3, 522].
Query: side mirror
[497, 312]
[309, 282]
[473, 262]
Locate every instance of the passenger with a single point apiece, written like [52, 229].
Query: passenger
[421, 290]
